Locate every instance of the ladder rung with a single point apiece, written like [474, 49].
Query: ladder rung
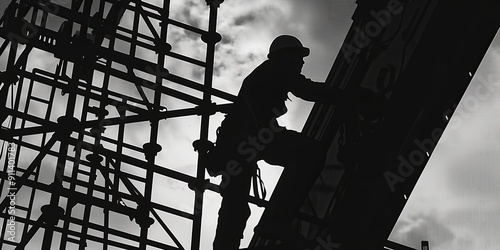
[39, 99]
[22, 208]
[73, 240]
[22, 171]
[80, 171]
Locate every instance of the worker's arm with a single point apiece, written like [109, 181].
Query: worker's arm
[308, 90]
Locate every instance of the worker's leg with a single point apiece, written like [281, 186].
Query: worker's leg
[234, 211]
[302, 159]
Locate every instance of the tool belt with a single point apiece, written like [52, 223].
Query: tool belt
[224, 150]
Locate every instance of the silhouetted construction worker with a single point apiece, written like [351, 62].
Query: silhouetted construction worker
[250, 133]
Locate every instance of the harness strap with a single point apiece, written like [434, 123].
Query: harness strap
[258, 184]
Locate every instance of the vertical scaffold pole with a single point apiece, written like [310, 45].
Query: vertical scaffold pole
[211, 38]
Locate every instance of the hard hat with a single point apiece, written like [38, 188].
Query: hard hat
[285, 42]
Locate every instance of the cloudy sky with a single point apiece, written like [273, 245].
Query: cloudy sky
[453, 205]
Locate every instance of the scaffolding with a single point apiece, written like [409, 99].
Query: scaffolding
[72, 177]
[85, 136]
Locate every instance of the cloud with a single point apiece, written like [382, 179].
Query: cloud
[482, 224]
[247, 30]
[245, 19]
[192, 12]
[324, 20]
[469, 143]
[412, 230]
[474, 177]
[460, 229]
[458, 184]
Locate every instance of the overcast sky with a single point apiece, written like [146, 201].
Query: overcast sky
[454, 205]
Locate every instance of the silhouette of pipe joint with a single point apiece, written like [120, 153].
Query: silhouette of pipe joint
[142, 218]
[151, 150]
[206, 109]
[98, 111]
[94, 159]
[67, 125]
[161, 46]
[203, 146]
[211, 37]
[51, 214]
[198, 185]
[216, 3]
[8, 78]
[95, 162]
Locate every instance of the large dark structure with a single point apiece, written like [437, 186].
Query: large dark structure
[70, 185]
[411, 62]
